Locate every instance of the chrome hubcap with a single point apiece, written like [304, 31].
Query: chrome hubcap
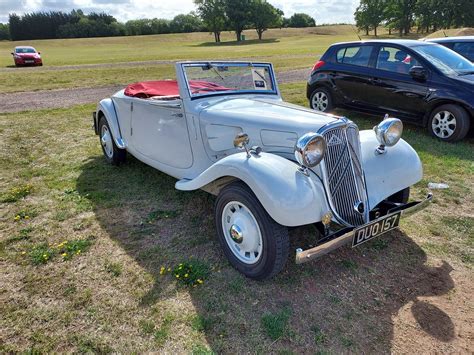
[106, 141]
[443, 124]
[242, 232]
[320, 101]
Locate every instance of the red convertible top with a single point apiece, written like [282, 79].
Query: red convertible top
[146, 89]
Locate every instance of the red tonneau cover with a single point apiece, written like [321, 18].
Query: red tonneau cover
[146, 89]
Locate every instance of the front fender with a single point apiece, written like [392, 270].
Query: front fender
[386, 174]
[107, 108]
[290, 197]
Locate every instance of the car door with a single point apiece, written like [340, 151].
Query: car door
[392, 89]
[160, 132]
[351, 77]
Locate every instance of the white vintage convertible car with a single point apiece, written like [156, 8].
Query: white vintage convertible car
[224, 128]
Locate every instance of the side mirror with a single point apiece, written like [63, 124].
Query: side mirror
[418, 73]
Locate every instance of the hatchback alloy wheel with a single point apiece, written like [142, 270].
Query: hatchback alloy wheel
[443, 124]
[320, 101]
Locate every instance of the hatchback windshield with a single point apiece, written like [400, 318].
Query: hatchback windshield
[25, 50]
[446, 60]
[229, 78]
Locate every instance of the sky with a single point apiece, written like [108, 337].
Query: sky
[323, 11]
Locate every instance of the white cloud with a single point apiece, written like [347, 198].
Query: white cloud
[324, 11]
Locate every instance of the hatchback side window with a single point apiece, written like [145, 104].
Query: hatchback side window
[395, 60]
[466, 49]
[356, 55]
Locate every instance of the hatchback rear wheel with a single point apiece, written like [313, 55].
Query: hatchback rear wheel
[321, 100]
[449, 123]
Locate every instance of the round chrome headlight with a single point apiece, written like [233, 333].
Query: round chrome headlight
[389, 131]
[310, 149]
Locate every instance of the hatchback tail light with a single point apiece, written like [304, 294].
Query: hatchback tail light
[318, 64]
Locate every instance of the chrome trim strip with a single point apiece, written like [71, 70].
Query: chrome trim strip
[316, 252]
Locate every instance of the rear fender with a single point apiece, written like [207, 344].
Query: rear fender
[290, 197]
[386, 174]
[106, 108]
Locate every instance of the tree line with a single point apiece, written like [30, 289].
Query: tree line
[213, 16]
[424, 15]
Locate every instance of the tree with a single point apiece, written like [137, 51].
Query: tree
[186, 23]
[301, 20]
[238, 13]
[212, 13]
[265, 15]
[4, 32]
[369, 15]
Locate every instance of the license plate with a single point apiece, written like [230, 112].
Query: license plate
[375, 228]
[29, 61]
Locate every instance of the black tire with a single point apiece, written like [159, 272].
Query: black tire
[275, 238]
[115, 155]
[401, 196]
[447, 118]
[321, 100]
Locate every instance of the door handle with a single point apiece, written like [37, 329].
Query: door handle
[376, 81]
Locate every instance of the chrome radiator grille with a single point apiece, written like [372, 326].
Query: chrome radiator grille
[343, 174]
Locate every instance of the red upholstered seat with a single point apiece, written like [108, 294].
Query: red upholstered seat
[146, 89]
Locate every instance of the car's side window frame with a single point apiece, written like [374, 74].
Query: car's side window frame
[345, 47]
[412, 54]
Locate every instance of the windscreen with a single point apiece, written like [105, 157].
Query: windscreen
[228, 78]
[25, 50]
[447, 61]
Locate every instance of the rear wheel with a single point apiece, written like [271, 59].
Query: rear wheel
[253, 242]
[112, 153]
[449, 123]
[321, 100]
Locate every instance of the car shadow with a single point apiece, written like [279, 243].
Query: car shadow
[349, 297]
[247, 42]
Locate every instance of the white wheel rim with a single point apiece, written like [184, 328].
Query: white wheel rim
[443, 124]
[242, 232]
[320, 101]
[106, 141]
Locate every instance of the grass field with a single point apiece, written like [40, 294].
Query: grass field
[85, 250]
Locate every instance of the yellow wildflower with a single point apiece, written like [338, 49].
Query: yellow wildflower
[78, 252]
[45, 256]
[169, 269]
[64, 254]
[17, 218]
[23, 252]
[27, 217]
[177, 276]
[186, 275]
[200, 281]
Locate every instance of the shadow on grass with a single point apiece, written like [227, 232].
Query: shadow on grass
[236, 43]
[346, 301]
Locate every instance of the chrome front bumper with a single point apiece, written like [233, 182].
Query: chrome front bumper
[303, 256]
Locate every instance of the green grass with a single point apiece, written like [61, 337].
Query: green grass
[275, 324]
[286, 48]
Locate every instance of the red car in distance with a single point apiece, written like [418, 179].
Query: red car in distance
[25, 55]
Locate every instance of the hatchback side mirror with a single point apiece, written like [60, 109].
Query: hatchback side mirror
[418, 72]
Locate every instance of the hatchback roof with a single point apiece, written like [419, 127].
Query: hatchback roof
[451, 39]
[403, 42]
[24, 47]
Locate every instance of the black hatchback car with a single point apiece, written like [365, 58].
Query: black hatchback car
[420, 82]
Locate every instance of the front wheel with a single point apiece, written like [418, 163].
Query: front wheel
[253, 242]
[449, 123]
[321, 100]
[113, 154]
